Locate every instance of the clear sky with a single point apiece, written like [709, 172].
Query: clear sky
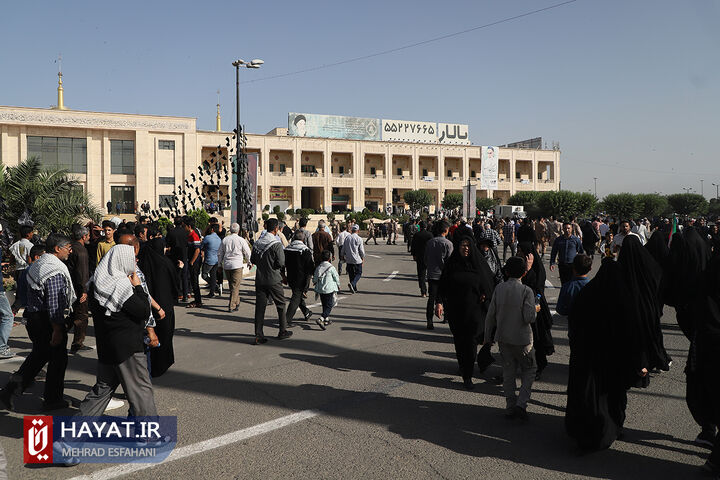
[630, 89]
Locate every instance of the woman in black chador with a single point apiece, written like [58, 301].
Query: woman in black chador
[163, 285]
[466, 287]
[612, 351]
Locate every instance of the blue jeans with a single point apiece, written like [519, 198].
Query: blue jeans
[354, 272]
[6, 320]
[327, 304]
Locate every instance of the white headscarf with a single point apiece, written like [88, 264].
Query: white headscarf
[47, 266]
[112, 285]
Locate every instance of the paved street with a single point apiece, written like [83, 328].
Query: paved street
[374, 396]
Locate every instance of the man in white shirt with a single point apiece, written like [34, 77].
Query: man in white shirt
[354, 254]
[233, 253]
[20, 251]
[623, 231]
[339, 242]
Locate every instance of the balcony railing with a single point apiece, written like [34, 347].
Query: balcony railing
[342, 175]
[374, 175]
[280, 174]
[311, 174]
[453, 179]
[402, 177]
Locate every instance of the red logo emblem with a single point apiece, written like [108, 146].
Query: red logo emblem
[38, 442]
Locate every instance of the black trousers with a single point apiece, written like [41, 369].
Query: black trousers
[262, 294]
[40, 331]
[422, 276]
[296, 300]
[194, 271]
[79, 317]
[700, 398]
[565, 270]
[433, 287]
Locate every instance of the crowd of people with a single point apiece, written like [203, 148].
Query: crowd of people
[644, 266]
[130, 278]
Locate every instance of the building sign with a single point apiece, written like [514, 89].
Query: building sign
[404, 131]
[489, 168]
[453, 134]
[340, 199]
[333, 126]
[280, 194]
[355, 128]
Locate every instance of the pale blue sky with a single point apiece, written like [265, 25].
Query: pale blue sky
[630, 89]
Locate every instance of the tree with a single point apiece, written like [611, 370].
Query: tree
[561, 204]
[202, 218]
[586, 203]
[485, 204]
[714, 207]
[527, 199]
[49, 198]
[417, 199]
[652, 204]
[622, 206]
[452, 201]
[688, 203]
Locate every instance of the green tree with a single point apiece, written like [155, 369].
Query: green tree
[202, 218]
[586, 203]
[164, 224]
[714, 207]
[652, 204]
[452, 201]
[622, 206]
[485, 204]
[527, 199]
[688, 203]
[51, 198]
[562, 204]
[417, 199]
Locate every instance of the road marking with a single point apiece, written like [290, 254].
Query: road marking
[204, 446]
[374, 256]
[548, 284]
[16, 358]
[320, 303]
[391, 276]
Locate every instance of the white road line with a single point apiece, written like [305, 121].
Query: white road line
[16, 358]
[320, 303]
[374, 256]
[391, 276]
[548, 284]
[204, 446]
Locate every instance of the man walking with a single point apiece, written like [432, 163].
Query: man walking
[417, 250]
[299, 267]
[564, 250]
[307, 236]
[268, 255]
[77, 264]
[509, 238]
[354, 253]
[339, 242]
[392, 233]
[321, 241]
[50, 292]
[210, 246]
[372, 234]
[177, 243]
[437, 251]
[194, 263]
[233, 253]
[20, 251]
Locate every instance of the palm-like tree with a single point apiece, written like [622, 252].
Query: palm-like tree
[51, 198]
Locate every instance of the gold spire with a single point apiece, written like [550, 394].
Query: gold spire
[60, 100]
[218, 128]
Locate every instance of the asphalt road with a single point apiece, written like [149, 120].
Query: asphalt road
[374, 396]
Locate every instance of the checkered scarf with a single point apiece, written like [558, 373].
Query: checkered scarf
[47, 266]
[112, 285]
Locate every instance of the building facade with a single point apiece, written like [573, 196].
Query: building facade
[131, 158]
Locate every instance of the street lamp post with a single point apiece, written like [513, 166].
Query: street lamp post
[702, 190]
[595, 180]
[240, 160]
[687, 189]
[717, 194]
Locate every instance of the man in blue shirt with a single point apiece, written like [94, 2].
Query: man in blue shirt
[210, 246]
[564, 249]
[582, 264]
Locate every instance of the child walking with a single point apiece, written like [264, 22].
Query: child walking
[512, 310]
[327, 284]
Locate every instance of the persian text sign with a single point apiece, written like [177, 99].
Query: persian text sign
[333, 126]
[453, 134]
[404, 131]
[488, 168]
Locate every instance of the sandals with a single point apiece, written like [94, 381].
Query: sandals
[193, 305]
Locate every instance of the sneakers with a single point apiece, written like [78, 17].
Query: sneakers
[350, 288]
[706, 438]
[79, 348]
[285, 334]
[6, 353]
[114, 404]
[321, 323]
[308, 315]
[327, 321]
[260, 341]
[511, 413]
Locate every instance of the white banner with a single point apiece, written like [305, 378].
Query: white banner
[469, 201]
[405, 131]
[489, 168]
[453, 134]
